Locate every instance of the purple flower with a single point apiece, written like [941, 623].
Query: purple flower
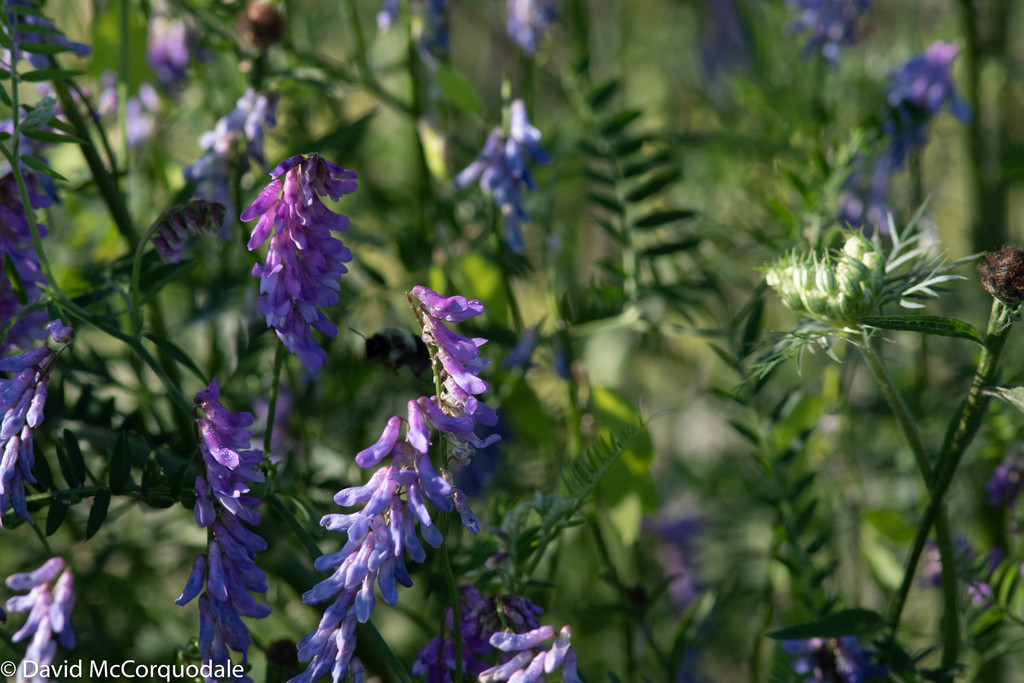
[141, 116]
[528, 665]
[388, 15]
[521, 354]
[174, 226]
[723, 43]
[1004, 486]
[49, 606]
[48, 35]
[917, 92]
[831, 23]
[529, 20]
[675, 554]
[304, 261]
[171, 40]
[22, 398]
[236, 139]
[864, 202]
[833, 660]
[502, 170]
[457, 412]
[16, 244]
[432, 38]
[228, 569]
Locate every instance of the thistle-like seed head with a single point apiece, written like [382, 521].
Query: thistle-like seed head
[1002, 274]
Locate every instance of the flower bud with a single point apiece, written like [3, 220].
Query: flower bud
[261, 25]
[1002, 274]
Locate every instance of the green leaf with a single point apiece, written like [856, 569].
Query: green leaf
[97, 513]
[172, 350]
[75, 459]
[602, 95]
[38, 165]
[648, 164]
[43, 48]
[1012, 395]
[41, 469]
[49, 75]
[65, 466]
[50, 136]
[654, 185]
[619, 122]
[848, 622]
[608, 202]
[39, 115]
[670, 248]
[56, 515]
[656, 219]
[15, 278]
[925, 324]
[458, 89]
[120, 465]
[891, 524]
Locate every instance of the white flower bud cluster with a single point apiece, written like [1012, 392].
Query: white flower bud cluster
[834, 289]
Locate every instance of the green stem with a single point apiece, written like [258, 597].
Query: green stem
[453, 597]
[943, 535]
[960, 436]
[272, 405]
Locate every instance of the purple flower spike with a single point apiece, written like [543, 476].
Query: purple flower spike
[171, 40]
[175, 225]
[832, 659]
[49, 612]
[228, 569]
[917, 92]
[237, 136]
[529, 20]
[503, 172]
[22, 398]
[831, 23]
[304, 261]
[1004, 486]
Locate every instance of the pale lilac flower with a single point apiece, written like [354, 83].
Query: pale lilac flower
[388, 15]
[22, 398]
[141, 116]
[503, 172]
[864, 200]
[530, 665]
[529, 20]
[48, 35]
[831, 23]
[228, 569]
[832, 660]
[170, 42]
[49, 606]
[175, 225]
[304, 261]
[1004, 486]
[917, 92]
[237, 139]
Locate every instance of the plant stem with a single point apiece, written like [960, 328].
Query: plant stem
[453, 597]
[272, 404]
[958, 438]
[943, 535]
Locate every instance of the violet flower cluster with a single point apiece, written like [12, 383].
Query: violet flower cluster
[171, 41]
[917, 92]
[833, 660]
[529, 20]
[16, 244]
[505, 624]
[225, 507]
[141, 111]
[48, 604]
[384, 531]
[1004, 486]
[304, 261]
[236, 140]
[503, 172]
[48, 34]
[832, 24]
[22, 398]
[175, 225]
[430, 31]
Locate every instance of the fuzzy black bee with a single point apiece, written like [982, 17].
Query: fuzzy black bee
[397, 347]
